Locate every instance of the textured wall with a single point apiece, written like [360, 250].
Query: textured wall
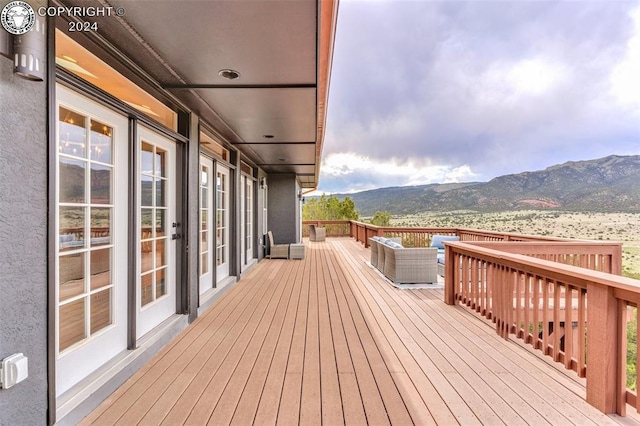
[23, 242]
[282, 212]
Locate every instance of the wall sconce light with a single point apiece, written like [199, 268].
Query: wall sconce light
[300, 194]
[6, 44]
[263, 183]
[30, 51]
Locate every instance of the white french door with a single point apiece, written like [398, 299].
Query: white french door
[156, 257]
[206, 224]
[91, 236]
[248, 219]
[222, 222]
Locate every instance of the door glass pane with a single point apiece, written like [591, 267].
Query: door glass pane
[100, 226]
[161, 185]
[161, 223]
[100, 184]
[204, 264]
[72, 323]
[71, 276]
[101, 140]
[204, 238]
[161, 159]
[204, 176]
[146, 256]
[146, 191]
[100, 264]
[204, 197]
[146, 158]
[146, 294]
[154, 222]
[72, 133]
[72, 179]
[85, 190]
[146, 223]
[161, 283]
[101, 310]
[71, 232]
[161, 252]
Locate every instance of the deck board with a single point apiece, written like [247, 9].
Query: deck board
[327, 340]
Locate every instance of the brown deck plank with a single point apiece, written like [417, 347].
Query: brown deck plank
[542, 385]
[247, 405]
[332, 413]
[200, 366]
[394, 404]
[371, 397]
[223, 363]
[260, 343]
[173, 358]
[430, 397]
[266, 410]
[310, 402]
[289, 412]
[181, 408]
[327, 340]
[352, 406]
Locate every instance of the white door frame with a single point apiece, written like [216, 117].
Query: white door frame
[157, 306]
[206, 225]
[79, 360]
[222, 211]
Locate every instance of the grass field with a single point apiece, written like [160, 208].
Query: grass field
[622, 227]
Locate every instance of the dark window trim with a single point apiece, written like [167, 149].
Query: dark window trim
[51, 231]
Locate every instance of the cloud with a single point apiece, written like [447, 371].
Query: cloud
[498, 87]
[359, 173]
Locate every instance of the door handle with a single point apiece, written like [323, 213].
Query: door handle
[176, 236]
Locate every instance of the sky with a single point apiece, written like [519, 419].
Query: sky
[457, 91]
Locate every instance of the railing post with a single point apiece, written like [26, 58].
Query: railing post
[616, 260]
[449, 273]
[602, 348]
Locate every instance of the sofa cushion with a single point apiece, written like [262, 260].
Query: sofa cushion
[393, 244]
[438, 240]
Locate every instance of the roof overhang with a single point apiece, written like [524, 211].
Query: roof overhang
[275, 112]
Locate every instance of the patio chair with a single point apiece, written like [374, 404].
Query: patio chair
[317, 233]
[277, 251]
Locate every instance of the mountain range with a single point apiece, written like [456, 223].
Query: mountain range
[606, 184]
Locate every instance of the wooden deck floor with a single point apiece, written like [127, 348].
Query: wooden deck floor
[328, 341]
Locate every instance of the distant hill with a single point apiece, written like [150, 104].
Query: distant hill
[606, 184]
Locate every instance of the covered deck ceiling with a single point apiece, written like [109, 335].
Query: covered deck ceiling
[274, 111]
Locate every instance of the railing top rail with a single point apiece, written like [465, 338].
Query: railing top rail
[511, 234]
[545, 268]
[556, 244]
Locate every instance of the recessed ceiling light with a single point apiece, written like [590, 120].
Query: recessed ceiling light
[229, 74]
[267, 136]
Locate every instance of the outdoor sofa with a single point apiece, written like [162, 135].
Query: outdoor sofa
[404, 265]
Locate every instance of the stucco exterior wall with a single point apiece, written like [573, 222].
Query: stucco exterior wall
[283, 208]
[23, 242]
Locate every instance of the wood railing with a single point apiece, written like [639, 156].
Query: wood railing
[535, 293]
[335, 228]
[421, 237]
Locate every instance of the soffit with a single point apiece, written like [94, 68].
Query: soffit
[271, 43]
